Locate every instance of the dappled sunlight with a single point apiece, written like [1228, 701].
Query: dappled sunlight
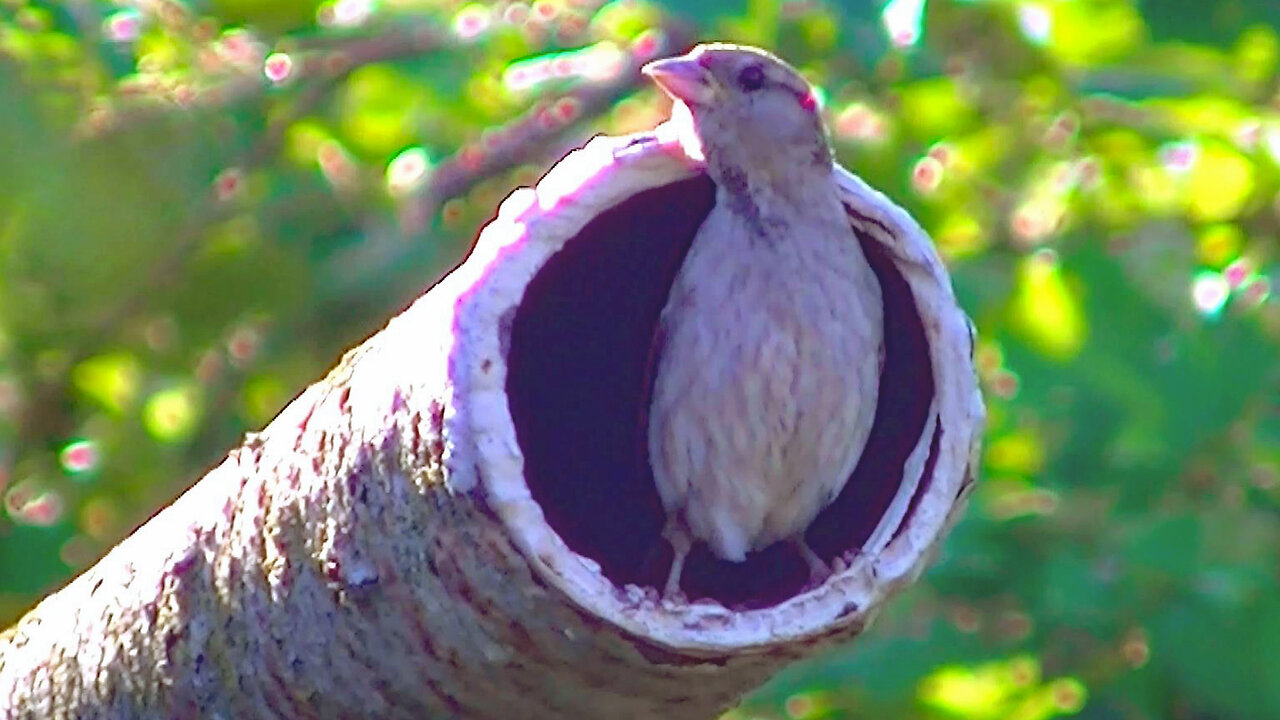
[110, 380]
[202, 206]
[1005, 690]
[407, 171]
[1045, 308]
[173, 414]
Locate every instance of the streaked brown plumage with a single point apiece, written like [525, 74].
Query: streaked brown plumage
[766, 382]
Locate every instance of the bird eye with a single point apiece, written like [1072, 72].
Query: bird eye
[751, 78]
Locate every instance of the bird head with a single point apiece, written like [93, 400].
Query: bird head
[748, 106]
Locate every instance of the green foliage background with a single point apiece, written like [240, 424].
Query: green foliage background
[203, 203]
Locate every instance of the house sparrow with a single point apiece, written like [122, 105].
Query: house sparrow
[770, 342]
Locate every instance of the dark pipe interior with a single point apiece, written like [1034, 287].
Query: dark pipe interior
[579, 370]
[906, 389]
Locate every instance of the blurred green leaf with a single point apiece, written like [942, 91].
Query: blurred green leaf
[185, 243]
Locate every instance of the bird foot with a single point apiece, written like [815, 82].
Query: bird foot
[819, 571]
[839, 564]
[847, 559]
[680, 544]
[672, 591]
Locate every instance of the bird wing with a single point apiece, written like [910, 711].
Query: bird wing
[873, 214]
[927, 405]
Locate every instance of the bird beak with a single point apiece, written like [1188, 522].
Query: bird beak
[683, 78]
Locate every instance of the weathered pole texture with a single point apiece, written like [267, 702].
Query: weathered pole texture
[460, 520]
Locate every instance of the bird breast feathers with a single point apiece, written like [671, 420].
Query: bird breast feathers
[767, 383]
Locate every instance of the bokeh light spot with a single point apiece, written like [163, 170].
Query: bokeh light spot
[243, 344]
[1220, 183]
[1024, 671]
[208, 366]
[1063, 178]
[123, 26]
[30, 504]
[80, 457]
[240, 47]
[1011, 498]
[1021, 452]
[566, 110]
[1068, 694]
[278, 67]
[263, 397]
[989, 357]
[100, 518]
[645, 45]
[1247, 134]
[943, 152]
[926, 175]
[1062, 130]
[600, 62]
[110, 380]
[802, 706]
[1237, 273]
[961, 691]
[1089, 172]
[516, 13]
[78, 551]
[336, 164]
[350, 13]
[1045, 309]
[1271, 141]
[1014, 625]
[860, 123]
[1178, 157]
[471, 21]
[1209, 292]
[1036, 219]
[1135, 648]
[452, 212]
[1035, 22]
[1219, 243]
[545, 10]
[228, 183]
[171, 415]
[959, 234]
[407, 170]
[903, 20]
[1257, 291]
[1001, 690]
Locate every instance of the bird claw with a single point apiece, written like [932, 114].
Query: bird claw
[818, 576]
[672, 590]
[675, 597]
[849, 557]
[819, 571]
[839, 565]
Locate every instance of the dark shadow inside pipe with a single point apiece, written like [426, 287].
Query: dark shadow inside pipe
[579, 370]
